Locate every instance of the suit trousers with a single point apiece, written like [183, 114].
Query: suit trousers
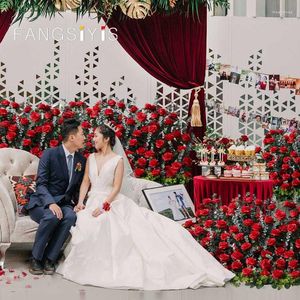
[52, 232]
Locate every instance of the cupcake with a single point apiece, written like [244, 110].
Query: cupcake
[227, 173]
[264, 175]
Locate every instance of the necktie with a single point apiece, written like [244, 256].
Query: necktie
[70, 165]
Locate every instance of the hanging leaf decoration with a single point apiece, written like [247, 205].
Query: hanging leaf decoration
[136, 9]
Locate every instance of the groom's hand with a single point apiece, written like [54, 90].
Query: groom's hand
[79, 207]
[56, 210]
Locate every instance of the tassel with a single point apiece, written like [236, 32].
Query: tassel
[195, 112]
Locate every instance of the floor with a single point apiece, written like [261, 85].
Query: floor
[17, 283]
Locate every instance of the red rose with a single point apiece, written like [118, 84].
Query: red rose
[153, 163]
[13, 128]
[285, 167]
[168, 121]
[221, 224]
[3, 112]
[149, 106]
[209, 223]
[237, 255]
[265, 264]
[186, 137]
[296, 174]
[256, 227]
[47, 128]
[250, 261]
[142, 162]
[291, 227]
[257, 149]
[203, 212]
[130, 121]
[295, 274]
[85, 125]
[26, 142]
[273, 149]
[140, 151]
[293, 263]
[68, 114]
[247, 272]
[239, 236]
[176, 166]
[248, 222]
[36, 151]
[154, 116]
[159, 143]
[224, 257]
[5, 124]
[246, 246]
[277, 274]
[133, 142]
[15, 105]
[283, 149]
[11, 136]
[279, 251]
[280, 263]
[3, 145]
[188, 223]
[198, 230]
[139, 172]
[236, 265]
[254, 235]
[265, 273]
[53, 143]
[111, 102]
[162, 112]
[297, 243]
[169, 137]
[27, 109]
[294, 213]
[141, 117]
[108, 112]
[272, 206]
[233, 229]
[296, 182]
[55, 111]
[155, 172]
[271, 241]
[181, 148]
[152, 128]
[224, 236]
[289, 253]
[245, 209]
[149, 154]
[187, 161]
[167, 156]
[31, 133]
[137, 133]
[244, 138]
[5, 102]
[275, 232]
[280, 215]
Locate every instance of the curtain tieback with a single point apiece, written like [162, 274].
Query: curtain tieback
[196, 112]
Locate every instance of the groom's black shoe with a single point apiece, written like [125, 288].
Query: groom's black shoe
[49, 267]
[36, 267]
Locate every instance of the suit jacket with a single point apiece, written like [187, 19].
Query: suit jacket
[52, 184]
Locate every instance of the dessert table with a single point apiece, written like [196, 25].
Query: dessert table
[229, 188]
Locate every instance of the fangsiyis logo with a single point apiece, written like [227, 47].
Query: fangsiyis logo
[82, 33]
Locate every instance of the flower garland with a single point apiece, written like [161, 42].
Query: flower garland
[49, 8]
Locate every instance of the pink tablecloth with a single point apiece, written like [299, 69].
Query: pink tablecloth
[227, 189]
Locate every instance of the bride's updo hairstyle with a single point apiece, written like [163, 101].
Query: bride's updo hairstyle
[108, 133]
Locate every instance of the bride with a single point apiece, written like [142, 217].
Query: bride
[117, 244]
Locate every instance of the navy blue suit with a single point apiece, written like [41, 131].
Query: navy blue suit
[53, 187]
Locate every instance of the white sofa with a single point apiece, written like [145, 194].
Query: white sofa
[15, 229]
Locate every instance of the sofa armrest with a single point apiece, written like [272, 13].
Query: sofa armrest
[139, 184]
[7, 215]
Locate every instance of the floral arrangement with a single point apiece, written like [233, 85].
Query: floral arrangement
[156, 144]
[37, 8]
[257, 240]
[282, 154]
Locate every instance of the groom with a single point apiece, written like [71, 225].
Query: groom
[59, 176]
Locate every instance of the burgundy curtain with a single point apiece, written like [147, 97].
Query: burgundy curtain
[172, 48]
[6, 19]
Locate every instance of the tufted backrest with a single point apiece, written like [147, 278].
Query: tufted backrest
[15, 162]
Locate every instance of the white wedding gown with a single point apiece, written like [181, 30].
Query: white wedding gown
[131, 247]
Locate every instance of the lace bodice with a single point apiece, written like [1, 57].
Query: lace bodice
[102, 181]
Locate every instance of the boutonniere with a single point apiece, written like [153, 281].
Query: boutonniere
[78, 167]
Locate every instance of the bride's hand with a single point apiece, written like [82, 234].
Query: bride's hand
[97, 212]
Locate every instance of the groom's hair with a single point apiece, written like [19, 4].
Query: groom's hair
[70, 126]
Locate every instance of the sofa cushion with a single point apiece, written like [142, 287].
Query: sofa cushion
[23, 185]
